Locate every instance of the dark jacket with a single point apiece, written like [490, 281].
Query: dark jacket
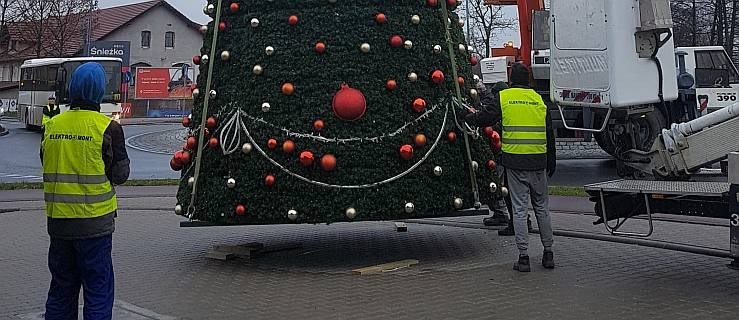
[51, 111]
[491, 114]
[114, 155]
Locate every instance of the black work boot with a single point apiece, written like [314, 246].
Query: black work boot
[496, 221]
[506, 232]
[547, 260]
[523, 264]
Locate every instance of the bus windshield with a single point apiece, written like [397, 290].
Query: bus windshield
[112, 78]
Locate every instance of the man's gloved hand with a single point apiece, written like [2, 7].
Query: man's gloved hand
[551, 168]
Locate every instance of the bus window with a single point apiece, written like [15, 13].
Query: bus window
[26, 79]
[112, 78]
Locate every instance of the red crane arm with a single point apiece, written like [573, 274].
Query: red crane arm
[525, 8]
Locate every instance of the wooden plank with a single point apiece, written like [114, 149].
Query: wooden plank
[390, 266]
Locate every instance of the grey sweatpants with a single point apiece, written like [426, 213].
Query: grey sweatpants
[521, 185]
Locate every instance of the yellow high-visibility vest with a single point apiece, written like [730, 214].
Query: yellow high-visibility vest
[524, 122]
[75, 184]
[44, 117]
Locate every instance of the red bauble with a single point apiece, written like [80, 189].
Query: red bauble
[186, 122]
[418, 105]
[391, 85]
[196, 60]
[498, 145]
[437, 77]
[191, 143]
[406, 152]
[320, 47]
[451, 3]
[489, 131]
[451, 136]
[420, 140]
[222, 26]
[349, 104]
[494, 137]
[269, 180]
[292, 20]
[213, 142]
[431, 3]
[288, 146]
[234, 7]
[206, 132]
[288, 88]
[176, 166]
[186, 157]
[491, 165]
[306, 158]
[473, 60]
[396, 41]
[240, 210]
[211, 123]
[328, 162]
[460, 80]
[178, 157]
[380, 18]
[318, 125]
[271, 144]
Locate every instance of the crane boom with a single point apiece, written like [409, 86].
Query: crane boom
[525, 9]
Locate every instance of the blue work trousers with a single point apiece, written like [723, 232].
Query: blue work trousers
[80, 263]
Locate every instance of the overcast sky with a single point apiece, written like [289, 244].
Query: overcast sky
[193, 9]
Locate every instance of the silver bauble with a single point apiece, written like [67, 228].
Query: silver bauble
[437, 49]
[462, 48]
[231, 183]
[458, 203]
[415, 19]
[504, 191]
[473, 93]
[210, 9]
[292, 214]
[204, 59]
[266, 107]
[351, 213]
[475, 165]
[269, 50]
[254, 22]
[412, 76]
[493, 187]
[195, 92]
[257, 70]
[191, 181]
[246, 148]
[203, 29]
[408, 44]
[178, 209]
[365, 47]
[409, 207]
[461, 22]
[225, 55]
[438, 171]
[213, 94]
[476, 78]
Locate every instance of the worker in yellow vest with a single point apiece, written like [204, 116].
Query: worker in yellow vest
[529, 157]
[83, 155]
[51, 110]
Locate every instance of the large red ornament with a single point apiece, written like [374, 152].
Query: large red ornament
[271, 144]
[328, 162]
[222, 26]
[178, 157]
[460, 80]
[213, 142]
[211, 123]
[234, 7]
[269, 180]
[451, 3]
[380, 18]
[196, 60]
[288, 88]
[489, 131]
[494, 137]
[473, 60]
[318, 125]
[418, 105]
[186, 157]
[186, 122]
[240, 210]
[420, 140]
[176, 166]
[391, 85]
[288, 146]
[396, 41]
[491, 165]
[292, 20]
[349, 104]
[431, 3]
[451, 136]
[320, 47]
[406, 152]
[437, 77]
[191, 143]
[306, 158]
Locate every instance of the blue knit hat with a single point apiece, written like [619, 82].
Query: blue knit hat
[88, 83]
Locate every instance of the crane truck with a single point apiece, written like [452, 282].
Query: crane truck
[622, 85]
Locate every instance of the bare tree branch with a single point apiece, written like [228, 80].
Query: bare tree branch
[485, 21]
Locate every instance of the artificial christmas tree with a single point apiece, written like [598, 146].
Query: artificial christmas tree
[333, 110]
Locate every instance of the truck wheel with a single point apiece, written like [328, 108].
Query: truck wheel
[605, 142]
[646, 129]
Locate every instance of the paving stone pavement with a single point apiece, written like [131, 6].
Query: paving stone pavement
[463, 272]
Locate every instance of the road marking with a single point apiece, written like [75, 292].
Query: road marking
[19, 177]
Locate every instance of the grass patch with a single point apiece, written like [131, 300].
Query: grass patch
[130, 183]
[567, 191]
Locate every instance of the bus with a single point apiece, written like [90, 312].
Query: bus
[47, 77]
